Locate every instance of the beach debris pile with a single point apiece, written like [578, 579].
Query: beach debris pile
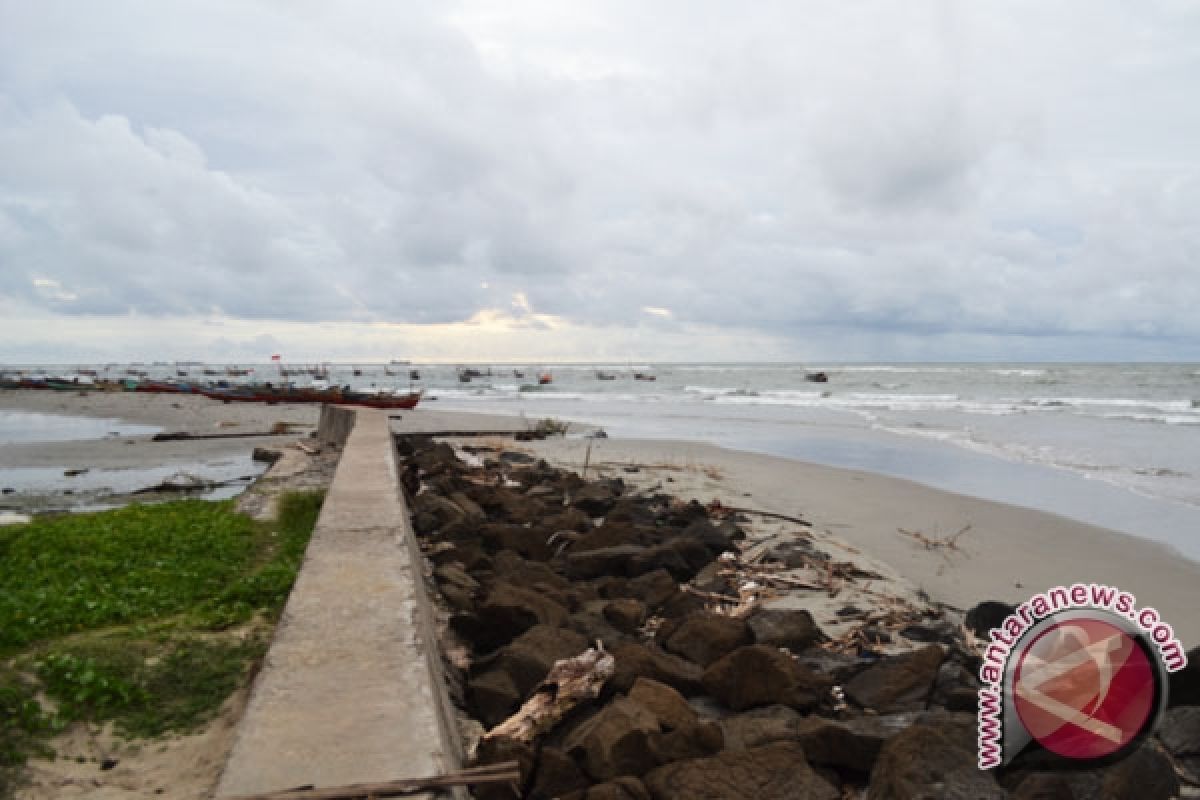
[620, 645]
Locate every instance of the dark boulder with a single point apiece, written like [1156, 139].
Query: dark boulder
[508, 611]
[681, 556]
[514, 569]
[497, 751]
[987, 615]
[654, 588]
[625, 787]
[492, 697]
[716, 539]
[613, 741]
[635, 661]
[852, 744]
[956, 688]
[1146, 774]
[594, 627]
[761, 726]
[595, 499]
[760, 675]
[794, 629]
[1043, 786]
[935, 758]
[571, 519]
[612, 535]
[529, 543]
[705, 637]
[701, 739]
[1180, 731]
[776, 771]
[1184, 685]
[668, 705]
[616, 560]
[437, 459]
[897, 683]
[530, 656]
[556, 774]
[625, 614]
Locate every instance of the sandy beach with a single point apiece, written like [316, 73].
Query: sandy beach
[1006, 553]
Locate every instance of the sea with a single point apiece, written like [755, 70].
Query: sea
[1116, 445]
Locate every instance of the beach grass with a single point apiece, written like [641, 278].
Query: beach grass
[147, 616]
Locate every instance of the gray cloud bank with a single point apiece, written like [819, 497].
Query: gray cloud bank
[930, 179]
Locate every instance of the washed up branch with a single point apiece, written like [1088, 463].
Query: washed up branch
[492, 773]
[717, 508]
[570, 682]
[937, 543]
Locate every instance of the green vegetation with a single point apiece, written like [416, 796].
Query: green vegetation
[129, 615]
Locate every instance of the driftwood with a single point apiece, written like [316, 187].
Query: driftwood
[183, 482]
[570, 682]
[940, 544]
[492, 773]
[187, 437]
[718, 507]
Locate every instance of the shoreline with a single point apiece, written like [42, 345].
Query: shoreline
[1008, 553]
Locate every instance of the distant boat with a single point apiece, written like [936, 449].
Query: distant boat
[816, 377]
[414, 375]
[518, 374]
[644, 376]
[465, 374]
[545, 378]
[605, 376]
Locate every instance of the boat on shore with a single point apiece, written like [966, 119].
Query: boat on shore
[273, 395]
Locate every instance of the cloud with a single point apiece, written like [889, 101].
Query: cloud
[920, 178]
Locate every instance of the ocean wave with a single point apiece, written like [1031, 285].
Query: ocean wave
[1162, 419]
[893, 368]
[1023, 373]
[1162, 406]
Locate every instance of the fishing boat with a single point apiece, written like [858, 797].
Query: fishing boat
[644, 376]
[605, 376]
[265, 393]
[545, 378]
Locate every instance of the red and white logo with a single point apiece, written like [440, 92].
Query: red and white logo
[1084, 688]
[1079, 671]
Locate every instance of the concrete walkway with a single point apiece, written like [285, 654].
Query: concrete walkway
[351, 690]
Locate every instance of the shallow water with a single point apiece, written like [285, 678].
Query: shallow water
[32, 426]
[41, 489]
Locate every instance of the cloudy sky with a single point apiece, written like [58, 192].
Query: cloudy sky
[669, 180]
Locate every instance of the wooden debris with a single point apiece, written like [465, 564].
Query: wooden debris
[504, 772]
[570, 682]
[940, 544]
[718, 509]
[182, 436]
